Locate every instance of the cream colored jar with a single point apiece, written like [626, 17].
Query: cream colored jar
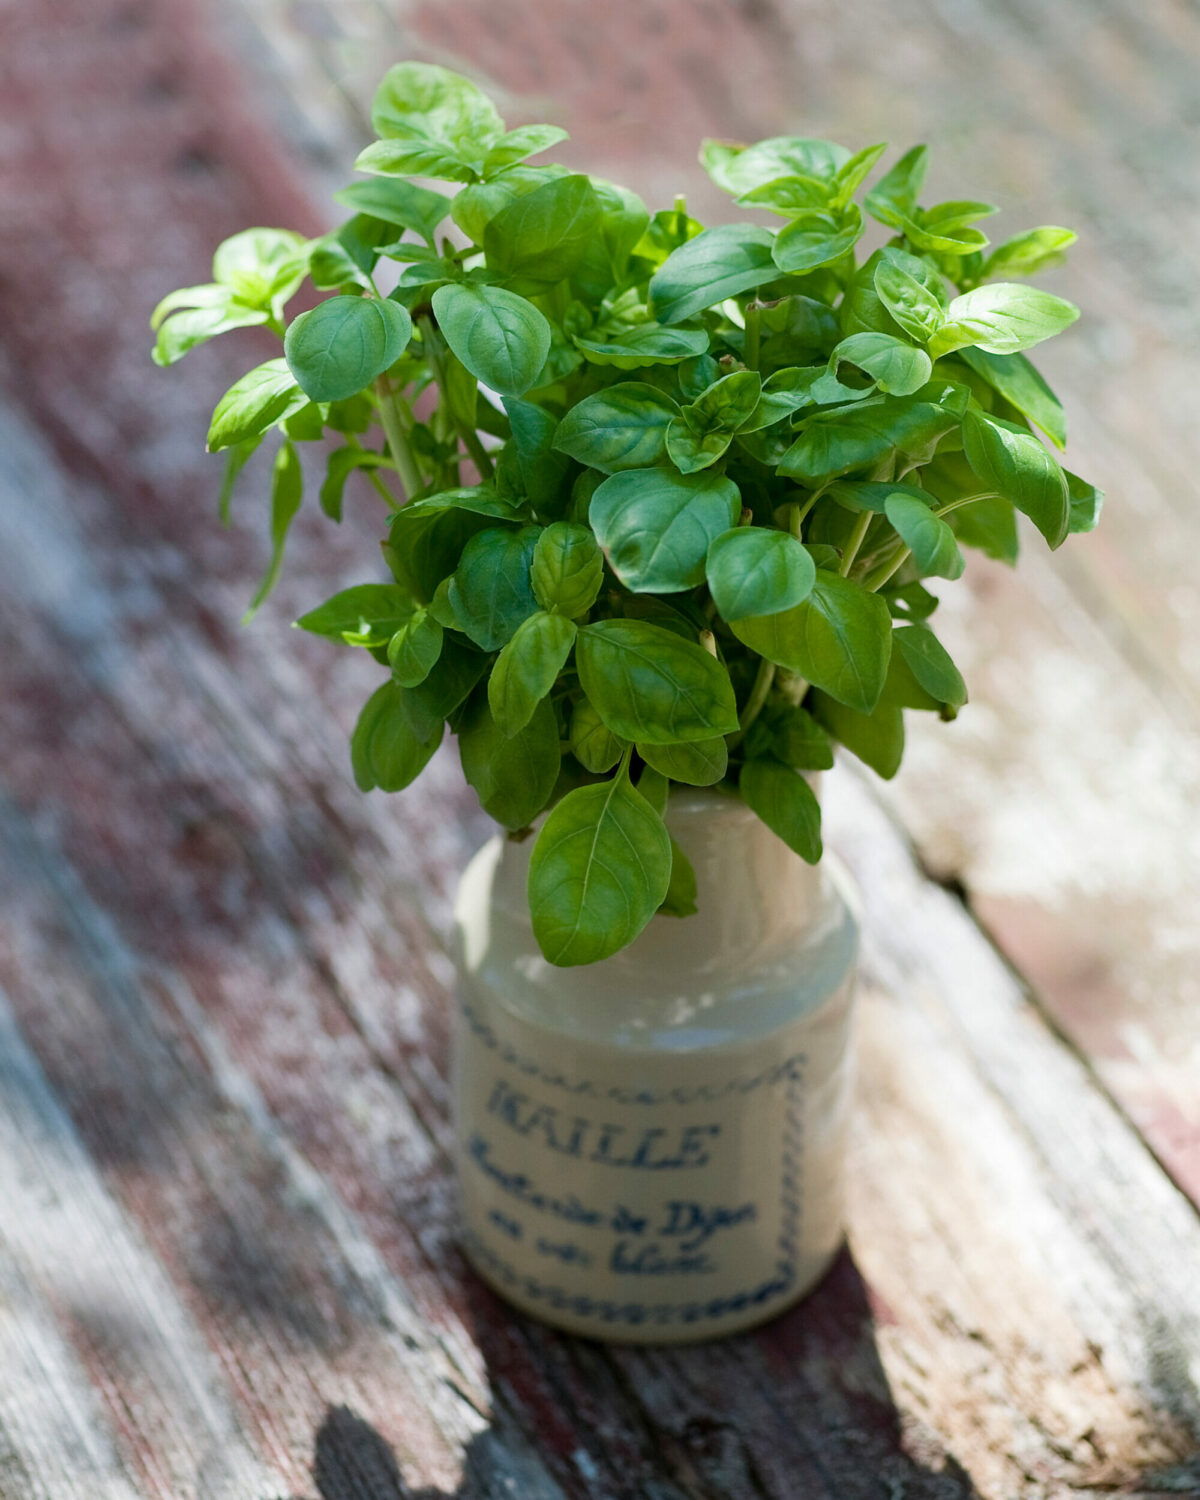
[650, 1148]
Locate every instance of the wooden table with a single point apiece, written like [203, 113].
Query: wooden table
[228, 1266]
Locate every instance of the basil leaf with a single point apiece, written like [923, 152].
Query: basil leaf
[896, 367]
[680, 900]
[527, 668]
[1086, 503]
[815, 238]
[262, 397]
[526, 140]
[287, 490]
[593, 744]
[859, 437]
[877, 738]
[839, 639]
[474, 207]
[794, 194]
[344, 343]
[450, 682]
[717, 264]
[397, 202]
[928, 538]
[501, 338]
[643, 344]
[542, 236]
[1022, 386]
[945, 239]
[786, 803]
[1026, 254]
[865, 494]
[894, 197]
[737, 169]
[384, 752]
[753, 570]
[701, 763]
[236, 460]
[492, 593]
[543, 470]
[414, 650]
[1002, 318]
[1013, 462]
[649, 684]
[367, 615]
[623, 427]
[853, 173]
[656, 789]
[655, 526]
[930, 664]
[599, 870]
[422, 102]
[567, 570]
[703, 430]
[909, 301]
[513, 775]
[790, 735]
[184, 330]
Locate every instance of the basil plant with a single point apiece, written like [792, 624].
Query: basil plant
[659, 501]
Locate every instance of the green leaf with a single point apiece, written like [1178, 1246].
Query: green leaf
[839, 639]
[1002, 318]
[703, 430]
[261, 398]
[236, 460]
[342, 463]
[287, 490]
[790, 735]
[786, 803]
[414, 649]
[501, 338]
[656, 789]
[852, 174]
[876, 738]
[655, 526]
[913, 304]
[896, 367]
[397, 202]
[1013, 462]
[643, 344]
[544, 235]
[928, 538]
[527, 668]
[649, 684]
[938, 238]
[492, 593]
[737, 168]
[567, 570]
[260, 265]
[791, 195]
[419, 101]
[716, 264]
[344, 343]
[680, 900]
[543, 470]
[1020, 383]
[451, 680]
[753, 570]
[526, 140]
[513, 775]
[815, 238]
[185, 330]
[701, 763]
[474, 207]
[930, 664]
[1086, 503]
[872, 495]
[600, 869]
[384, 751]
[366, 615]
[623, 427]
[894, 197]
[860, 436]
[593, 744]
[1026, 254]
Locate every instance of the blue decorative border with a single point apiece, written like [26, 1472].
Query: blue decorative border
[640, 1314]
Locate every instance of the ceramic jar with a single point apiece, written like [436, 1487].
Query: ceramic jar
[650, 1148]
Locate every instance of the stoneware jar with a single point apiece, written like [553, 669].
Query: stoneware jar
[650, 1148]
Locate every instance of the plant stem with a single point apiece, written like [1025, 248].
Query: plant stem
[855, 542]
[373, 475]
[754, 703]
[944, 510]
[402, 454]
[875, 581]
[753, 334]
[470, 438]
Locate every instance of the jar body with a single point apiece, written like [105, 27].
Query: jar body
[650, 1148]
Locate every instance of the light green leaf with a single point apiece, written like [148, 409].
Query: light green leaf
[1026, 254]
[236, 460]
[544, 235]
[1020, 383]
[754, 570]
[366, 615]
[1015, 464]
[526, 140]
[344, 343]
[568, 569]
[649, 684]
[396, 202]
[287, 490]
[930, 664]
[703, 430]
[896, 367]
[839, 639]
[414, 649]
[492, 594]
[474, 207]
[600, 869]
[786, 803]
[737, 168]
[909, 300]
[852, 174]
[716, 264]
[501, 338]
[1002, 318]
[860, 436]
[622, 427]
[342, 463]
[814, 239]
[928, 538]
[894, 197]
[655, 526]
[185, 330]
[262, 397]
[527, 668]
[876, 738]
[701, 763]
[419, 101]
[593, 744]
[1086, 503]
[513, 775]
[643, 344]
[788, 196]
[384, 751]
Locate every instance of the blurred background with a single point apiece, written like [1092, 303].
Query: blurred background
[187, 781]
